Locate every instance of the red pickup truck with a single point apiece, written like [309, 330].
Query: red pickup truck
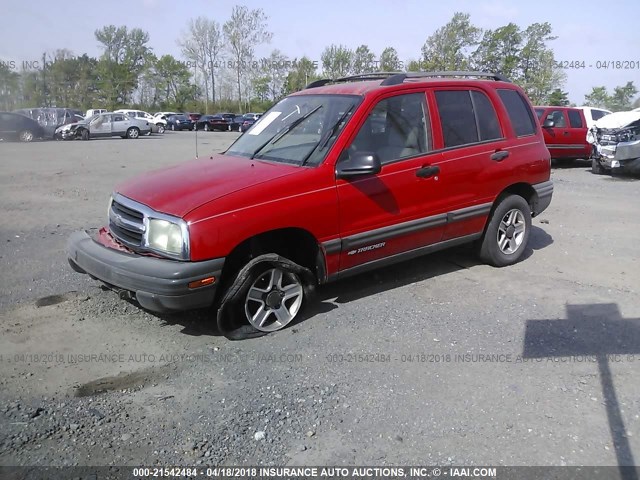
[340, 178]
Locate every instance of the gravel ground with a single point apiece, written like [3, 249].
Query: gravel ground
[441, 360]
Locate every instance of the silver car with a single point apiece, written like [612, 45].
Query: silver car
[104, 125]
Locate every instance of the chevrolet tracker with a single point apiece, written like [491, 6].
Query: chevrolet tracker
[344, 176]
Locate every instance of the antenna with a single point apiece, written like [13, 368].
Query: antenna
[195, 81]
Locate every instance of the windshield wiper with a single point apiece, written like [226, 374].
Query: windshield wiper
[327, 136]
[286, 130]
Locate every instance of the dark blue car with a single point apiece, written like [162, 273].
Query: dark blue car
[179, 122]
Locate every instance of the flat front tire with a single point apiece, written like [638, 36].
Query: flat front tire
[507, 234]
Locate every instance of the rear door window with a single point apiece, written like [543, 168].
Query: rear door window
[519, 112]
[467, 116]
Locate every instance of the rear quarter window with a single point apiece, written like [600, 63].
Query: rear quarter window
[518, 111]
[575, 119]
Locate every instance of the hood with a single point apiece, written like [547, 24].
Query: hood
[74, 124]
[618, 119]
[180, 189]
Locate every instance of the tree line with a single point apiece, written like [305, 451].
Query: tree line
[219, 69]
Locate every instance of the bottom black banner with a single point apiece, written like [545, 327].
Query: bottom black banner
[326, 472]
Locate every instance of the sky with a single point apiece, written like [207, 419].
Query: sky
[587, 31]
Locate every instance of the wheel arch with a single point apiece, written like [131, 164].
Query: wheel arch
[522, 189]
[294, 243]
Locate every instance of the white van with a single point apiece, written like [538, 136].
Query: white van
[94, 111]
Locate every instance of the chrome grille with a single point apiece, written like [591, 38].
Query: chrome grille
[126, 224]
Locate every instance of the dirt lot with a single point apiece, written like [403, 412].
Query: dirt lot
[438, 361]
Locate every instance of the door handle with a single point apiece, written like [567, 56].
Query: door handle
[499, 155]
[565, 133]
[427, 171]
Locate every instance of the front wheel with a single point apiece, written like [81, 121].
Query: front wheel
[596, 168]
[84, 135]
[173, 127]
[160, 128]
[206, 127]
[273, 299]
[507, 233]
[133, 133]
[26, 136]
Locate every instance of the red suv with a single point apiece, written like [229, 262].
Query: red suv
[340, 178]
[565, 132]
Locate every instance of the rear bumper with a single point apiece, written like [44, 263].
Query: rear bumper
[544, 192]
[157, 284]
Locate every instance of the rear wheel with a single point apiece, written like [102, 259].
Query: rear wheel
[133, 133]
[26, 136]
[507, 234]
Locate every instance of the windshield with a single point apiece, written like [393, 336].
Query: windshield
[299, 129]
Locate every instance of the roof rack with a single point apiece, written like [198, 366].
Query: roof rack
[397, 78]
[353, 78]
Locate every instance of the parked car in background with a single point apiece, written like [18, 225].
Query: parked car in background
[49, 118]
[565, 130]
[179, 122]
[254, 230]
[249, 119]
[233, 121]
[616, 143]
[94, 111]
[116, 124]
[14, 126]
[592, 114]
[210, 123]
[158, 125]
[194, 117]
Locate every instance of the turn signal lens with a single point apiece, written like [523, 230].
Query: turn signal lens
[203, 282]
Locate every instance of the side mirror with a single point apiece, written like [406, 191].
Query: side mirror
[548, 124]
[359, 164]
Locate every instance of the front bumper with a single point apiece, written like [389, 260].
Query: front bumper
[157, 284]
[66, 134]
[620, 155]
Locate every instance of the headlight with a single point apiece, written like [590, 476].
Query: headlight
[167, 237]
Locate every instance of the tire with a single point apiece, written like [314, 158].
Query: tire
[596, 168]
[160, 128]
[173, 127]
[26, 136]
[265, 295]
[206, 127]
[84, 135]
[133, 133]
[507, 234]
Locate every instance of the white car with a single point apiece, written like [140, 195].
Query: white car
[158, 125]
[592, 115]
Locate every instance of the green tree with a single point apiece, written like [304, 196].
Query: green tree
[9, 88]
[559, 98]
[598, 98]
[302, 73]
[448, 48]
[122, 62]
[622, 97]
[337, 61]
[389, 60]
[538, 74]
[364, 61]
[275, 68]
[499, 51]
